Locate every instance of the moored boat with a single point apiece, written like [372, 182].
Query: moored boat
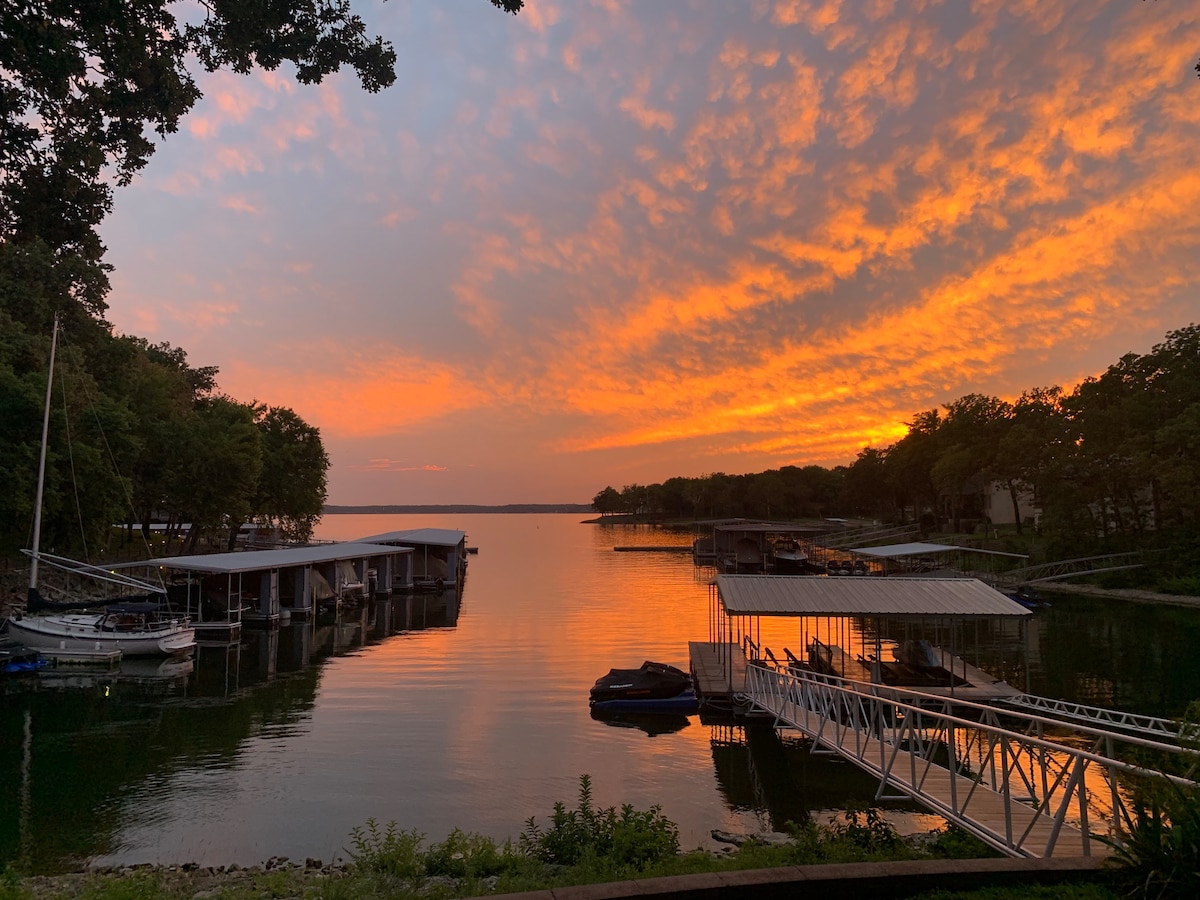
[654, 687]
[789, 557]
[136, 629]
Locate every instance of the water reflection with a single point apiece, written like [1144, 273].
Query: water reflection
[652, 724]
[779, 779]
[88, 741]
[469, 709]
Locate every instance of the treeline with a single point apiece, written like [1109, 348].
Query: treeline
[1115, 462]
[137, 435]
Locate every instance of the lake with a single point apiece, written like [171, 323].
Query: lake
[467, 712]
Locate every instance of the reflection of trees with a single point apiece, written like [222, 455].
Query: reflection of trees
[94, 744]
[1144, 656]
[98, 738]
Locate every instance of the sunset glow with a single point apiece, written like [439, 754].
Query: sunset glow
[613, 242]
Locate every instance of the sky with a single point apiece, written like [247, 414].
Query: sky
[608, 242]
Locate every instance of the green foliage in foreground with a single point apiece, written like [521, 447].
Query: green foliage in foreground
[589, 845]
[584, 845]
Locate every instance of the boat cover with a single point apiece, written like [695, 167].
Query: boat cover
[653, 680]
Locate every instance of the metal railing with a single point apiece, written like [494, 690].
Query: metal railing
[1150, 726]
[1021, 793]
[1066, 568]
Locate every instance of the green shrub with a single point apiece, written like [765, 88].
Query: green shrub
[10, 885]
[1160, 855]
[631, 837]
[865, 830]
[955, 843]
[392, 851]
[465, 855]
[1182, 586]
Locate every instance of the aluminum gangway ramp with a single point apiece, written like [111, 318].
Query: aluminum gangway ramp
[1020, 792]
[1118, 720]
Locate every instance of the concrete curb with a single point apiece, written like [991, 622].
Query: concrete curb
[860, 880]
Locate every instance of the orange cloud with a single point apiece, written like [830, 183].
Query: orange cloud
[367, 396]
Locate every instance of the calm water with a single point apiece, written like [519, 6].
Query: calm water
[464, 712]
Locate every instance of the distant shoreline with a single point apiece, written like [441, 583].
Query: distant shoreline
[458, 508]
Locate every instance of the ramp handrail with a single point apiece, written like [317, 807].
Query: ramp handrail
[1018, 792]
[1099, 716]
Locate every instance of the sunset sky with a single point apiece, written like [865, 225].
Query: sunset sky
[615, 241]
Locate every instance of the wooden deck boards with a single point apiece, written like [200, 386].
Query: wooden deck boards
[719, 670]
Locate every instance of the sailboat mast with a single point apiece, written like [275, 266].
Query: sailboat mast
[41, 482]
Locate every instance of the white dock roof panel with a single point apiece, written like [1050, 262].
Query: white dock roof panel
[817, 595]
[435, 537]
[256, 560]
[916, 548]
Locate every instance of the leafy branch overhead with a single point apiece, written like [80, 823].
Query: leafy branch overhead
[85, 86]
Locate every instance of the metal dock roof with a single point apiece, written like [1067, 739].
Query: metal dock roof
[255, 560]
[916, 548]
[815, 595]
[435, 537]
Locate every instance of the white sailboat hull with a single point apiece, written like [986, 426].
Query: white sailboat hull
[83, 633]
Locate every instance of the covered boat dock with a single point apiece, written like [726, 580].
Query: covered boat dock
[747, 547]
[844, 627]
[219, 590]
[920, 557]
[439, 555]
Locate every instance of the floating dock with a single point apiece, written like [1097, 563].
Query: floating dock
[718, 670]
[63, 657]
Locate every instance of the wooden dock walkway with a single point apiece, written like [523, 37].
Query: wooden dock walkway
[719, 671]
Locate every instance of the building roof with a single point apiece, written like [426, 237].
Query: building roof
[257, 560]
[816, 595]
[436, 537]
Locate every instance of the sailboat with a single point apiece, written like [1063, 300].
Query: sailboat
[133, 628]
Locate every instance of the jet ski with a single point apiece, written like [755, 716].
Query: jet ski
[655, 687]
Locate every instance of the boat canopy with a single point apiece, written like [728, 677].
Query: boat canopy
[920, 548]
[434, 537]
[259, 560]
[811, 595]
[916, 548]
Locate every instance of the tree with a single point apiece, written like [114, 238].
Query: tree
[1035, 440]
[866, 483]
[607, 502]
[910, 463]
[291, 486]
[221, 453]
